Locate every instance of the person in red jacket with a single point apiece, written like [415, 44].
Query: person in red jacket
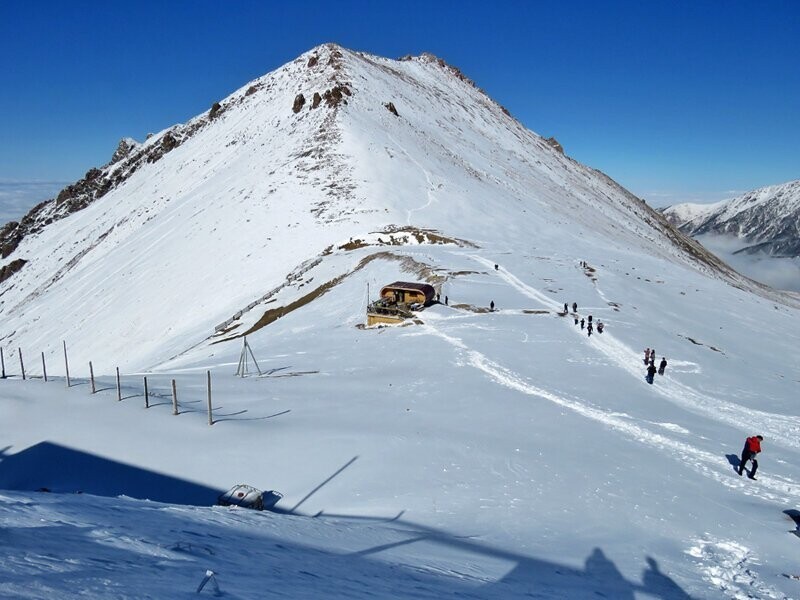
[752, 446]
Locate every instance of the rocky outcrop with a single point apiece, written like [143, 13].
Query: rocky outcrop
[79, 194]
[299, 102]
[124, 148]
[553, 143]
[11, 268]
[316, 100]
[335, 95]
[97, 182]
[390, 107]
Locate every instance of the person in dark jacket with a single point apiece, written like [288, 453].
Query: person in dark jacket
[566, 308]
[651, 372]
[662, 365]
[752, 446]
[574, 307]
[582, 322]
[600, 327]
[491, 305]
[589, 328]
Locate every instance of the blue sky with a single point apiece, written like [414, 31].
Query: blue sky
[675, 100]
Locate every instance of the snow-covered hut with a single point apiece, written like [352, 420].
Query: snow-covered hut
[403, 292]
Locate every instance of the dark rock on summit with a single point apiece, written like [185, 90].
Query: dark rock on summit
[553, 143]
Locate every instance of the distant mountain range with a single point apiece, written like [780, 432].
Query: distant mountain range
[766, 220]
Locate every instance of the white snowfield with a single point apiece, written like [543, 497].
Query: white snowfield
[476, 453]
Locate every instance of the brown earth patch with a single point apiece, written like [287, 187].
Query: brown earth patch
[422, 270]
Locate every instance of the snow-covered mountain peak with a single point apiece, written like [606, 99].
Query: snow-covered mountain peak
[766, 219]
[273, 179]
[491, 446]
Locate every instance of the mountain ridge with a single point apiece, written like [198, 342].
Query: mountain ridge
[255, 186]
[492, 446]
[766, 219]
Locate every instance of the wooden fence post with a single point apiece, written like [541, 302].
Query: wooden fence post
[119, 388]
[174, 399]
[21, 364]
[66, 362]
[44, 368]
[210, 417]
[146, 395]
[91, 376]
[3, 363]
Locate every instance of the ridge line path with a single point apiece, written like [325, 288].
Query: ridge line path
[782, 429]
[773, 487]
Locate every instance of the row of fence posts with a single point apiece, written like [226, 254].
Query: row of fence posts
[119, 384]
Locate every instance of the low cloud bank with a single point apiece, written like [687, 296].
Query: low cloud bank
[780, 273]
[18, 197]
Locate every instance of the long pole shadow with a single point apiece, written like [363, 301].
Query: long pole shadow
[251, 418]
[599, 574]
[321, 485]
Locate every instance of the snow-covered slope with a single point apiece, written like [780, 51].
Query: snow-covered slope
[766, 220]
[207, 219]
[473, 453]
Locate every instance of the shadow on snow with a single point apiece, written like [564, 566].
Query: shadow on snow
[60, 469]
[353, 574]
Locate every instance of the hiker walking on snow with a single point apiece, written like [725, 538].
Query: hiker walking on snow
[752, 446]
[574, 307]
[581, 324]
[491, 305]
[646, 355]
[651, 372]
[566, 308]
[589, 328]
[662, 365]
[600, 327]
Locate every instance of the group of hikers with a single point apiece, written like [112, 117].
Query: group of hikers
[650, 362]
[584, 323]
[752, 445]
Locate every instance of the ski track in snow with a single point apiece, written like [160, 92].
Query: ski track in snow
[427, 174]
[781, 429]
[776, 488]
[773, 487]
